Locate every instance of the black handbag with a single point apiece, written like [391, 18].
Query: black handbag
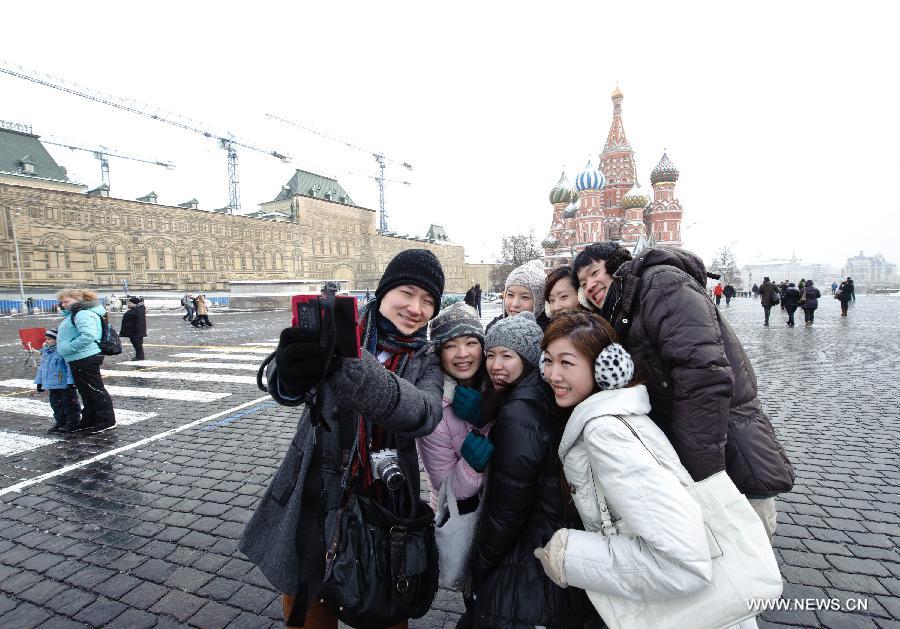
[381, 568]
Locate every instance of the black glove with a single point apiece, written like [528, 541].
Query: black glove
[40, 388]
[299, 364]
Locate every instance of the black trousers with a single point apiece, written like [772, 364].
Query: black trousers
[200, 320]
[138, 343]
[809, 314]
[65, 405]
[844, 305]
[98, 407]
[767, 310]
[790, 310]
[718, 299]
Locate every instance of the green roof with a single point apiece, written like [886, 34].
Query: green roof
[312, 185]
[16, 146]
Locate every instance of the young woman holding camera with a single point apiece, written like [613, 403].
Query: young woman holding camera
[377, 404]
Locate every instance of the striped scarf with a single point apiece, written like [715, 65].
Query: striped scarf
[377, 335]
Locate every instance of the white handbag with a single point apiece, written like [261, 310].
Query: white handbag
[744, 567]
[454, 535]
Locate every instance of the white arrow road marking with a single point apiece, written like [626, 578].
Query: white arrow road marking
[184, 377]
[189, 365]
[13, 443]
[42, 409]
[160, 394]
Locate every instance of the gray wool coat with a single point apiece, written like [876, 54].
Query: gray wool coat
[307, 483]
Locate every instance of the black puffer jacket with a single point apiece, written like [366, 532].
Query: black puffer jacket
[134, 323]
[523, 509]
[791, 297]
[701, 383]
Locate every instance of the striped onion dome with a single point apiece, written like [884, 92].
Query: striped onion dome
[636, 197]
[570, 211]
[665, 171]
[550, 242]
[562, 192]
[590, 179]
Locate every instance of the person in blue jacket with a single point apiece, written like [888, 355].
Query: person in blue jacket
[55, 376]
[78, 341]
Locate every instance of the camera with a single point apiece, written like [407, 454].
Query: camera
[386, 466]
[328, 314]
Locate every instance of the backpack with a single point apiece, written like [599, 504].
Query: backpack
[109, 342]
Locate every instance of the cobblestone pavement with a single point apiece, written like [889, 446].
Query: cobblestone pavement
[141, 529]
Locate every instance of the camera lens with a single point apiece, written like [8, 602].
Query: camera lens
[391, 475]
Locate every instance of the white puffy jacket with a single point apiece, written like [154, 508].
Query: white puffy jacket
[659, 549]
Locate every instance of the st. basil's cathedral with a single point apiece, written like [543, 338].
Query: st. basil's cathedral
[608, 203]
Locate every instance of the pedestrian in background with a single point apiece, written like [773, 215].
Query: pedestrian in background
[809, 296]
[78, 341]
[717, 292]
[134, 325]
[560, 291]
[524, 292]
[478, 298]
[834, 287]
[791, 301]
[469, 298]
[187, 302]
[844, 294]
[729, 293]
[201, 318]
[768, 297]
[55, 376]
[702, 385]
[29, 305]
[755, 290]
[851, 287]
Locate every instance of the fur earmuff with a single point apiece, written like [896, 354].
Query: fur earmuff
[613, 368]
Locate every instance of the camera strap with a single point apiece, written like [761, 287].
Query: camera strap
[328, 342]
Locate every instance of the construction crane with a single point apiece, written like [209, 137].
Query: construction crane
[103, 154]
[380, 159]
[226, 140]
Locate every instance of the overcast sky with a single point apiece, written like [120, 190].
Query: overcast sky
[782, 117]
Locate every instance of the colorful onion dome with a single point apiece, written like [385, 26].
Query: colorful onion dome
[550, 242]
[570, 211]
[562, 192]
[590, 179]
[665, 171]
[636, 197]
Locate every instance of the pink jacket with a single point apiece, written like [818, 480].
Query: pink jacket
[440, 452]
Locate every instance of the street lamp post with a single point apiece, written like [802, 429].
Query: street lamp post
[12, 224]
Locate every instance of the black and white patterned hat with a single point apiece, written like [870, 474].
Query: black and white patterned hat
[613, 368]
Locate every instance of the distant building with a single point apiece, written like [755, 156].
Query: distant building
[792, 270]
[871, 270]
[608, 203]
[311, 229]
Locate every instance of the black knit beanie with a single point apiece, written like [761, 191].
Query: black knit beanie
[419, 267]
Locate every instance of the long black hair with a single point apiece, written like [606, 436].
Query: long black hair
[493, 399]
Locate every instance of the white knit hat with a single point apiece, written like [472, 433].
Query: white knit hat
[531, 275]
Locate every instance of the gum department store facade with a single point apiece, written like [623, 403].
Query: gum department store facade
[67, 237]
[608, 203]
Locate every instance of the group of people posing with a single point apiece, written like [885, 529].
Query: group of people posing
[600, 396]
[804, 295]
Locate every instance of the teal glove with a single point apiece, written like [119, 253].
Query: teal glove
[467, 405]
[477, 450]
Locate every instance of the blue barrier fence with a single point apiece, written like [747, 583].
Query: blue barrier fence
[51, 305]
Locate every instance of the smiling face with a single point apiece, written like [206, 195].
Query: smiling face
[595, 281]
[517, 299]
[504, 366]
[408, 307]
[569, 373]
[563, 295]
[461, 357]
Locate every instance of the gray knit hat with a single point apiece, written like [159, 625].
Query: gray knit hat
[531, 275]
[456, 320]
[520, 333]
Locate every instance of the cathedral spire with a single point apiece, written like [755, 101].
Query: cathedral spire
[616, 140]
